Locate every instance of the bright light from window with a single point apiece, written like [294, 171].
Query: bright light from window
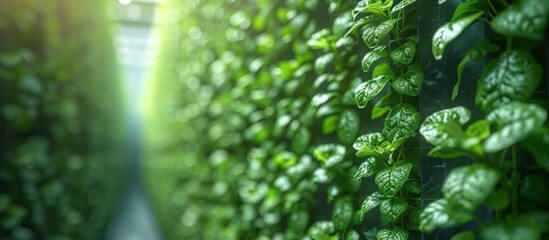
[125, 2]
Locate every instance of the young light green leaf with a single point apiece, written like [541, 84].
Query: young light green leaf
[373, 56]
[525, 19]
[470, 185]
[366, 91]
[401, 123]
[515, 121]
[330, 124]
[329, 154]
[476, 53]
[449, 32]
[513, 75]
[382, 69]
[367, 168]
[370, 203]
[391, 179]
[392, 209]
[342, 213]
[411, 82]
[439, 214]
[386, 4]
[373, 35]
[349, 124]
[392, 234]
[372, 145]
[470, 6]
[404, 54]
[443, 128]
[402, 5]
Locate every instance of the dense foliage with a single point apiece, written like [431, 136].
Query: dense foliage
[291, 119]
[60, 113]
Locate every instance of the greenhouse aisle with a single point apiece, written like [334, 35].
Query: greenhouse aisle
[134, 217]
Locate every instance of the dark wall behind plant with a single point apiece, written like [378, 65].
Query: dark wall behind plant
[60, 119]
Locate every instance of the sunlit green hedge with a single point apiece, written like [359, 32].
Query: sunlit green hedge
[60, 119]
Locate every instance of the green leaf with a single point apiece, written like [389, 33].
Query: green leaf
[449, 32]
[392, 234]
[361, 22]
[329, 154]
[373, 56]
[525, 19]
[413, 187]
[392, 209]
[468, 7]
[330, 124]
[401, 123]
[321, 230]
[443, 129]
[373, 35]
[439, 214]
[480, 129]
[342, 213]
[372, 145]
[382, 69]
[349, 124]
[469, 186]
[323, 61]
[301, 140]
[366, 91]
[352, 235]
[537, 145]
[402, 5]
[386, 4]
[404, 54]
[476, 53]
[515, 121]
[367, 168]
[391, 179]
[318, 39]
[513, 75]
[411, 82]
[442, 152]
[370, 202]
[468, 235]
[382, 106]
[523, 226]
[285, 159]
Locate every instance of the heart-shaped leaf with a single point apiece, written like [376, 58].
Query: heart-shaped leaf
[440, 214]
[411, 82]
[392, 209]
[392, 234]
[469, 186]
[404, 54]
[443, 128]
[401, 123]
[366, 91]
[515, 121]
[349, 124]
[391, 179]
[513, 75]
[450, 31]
[476, 53]
[371, 202]
[402, 5]
[373, 56]
[373, 35]
[525, 18]
[367, 168]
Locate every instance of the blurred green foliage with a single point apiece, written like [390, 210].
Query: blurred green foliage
[60, 119]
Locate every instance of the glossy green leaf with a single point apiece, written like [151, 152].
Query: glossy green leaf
[392, 209]
[373, 35]
[322, 61]
[392, 234]
[513, 75]
[383, 106]
[476, 53]
[411, 82]
[404, 54]
[382, 69]
[442, 152]
[449, 31]
[443, 128]
[402, 4]
[514, 121]
[371, 145]
[367, 168]
[366, 91]
[401, 123]
[371, 57]
[349, 124]
[468, 7]
[439, 214]
[321, 230]
[371, 202]
[525, 19]
[342, 213]
[361, 22]
[329, 154]
[470, 185]
[391, 179]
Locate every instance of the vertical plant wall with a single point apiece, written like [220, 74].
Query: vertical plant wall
[60, 120]
[293, 119]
